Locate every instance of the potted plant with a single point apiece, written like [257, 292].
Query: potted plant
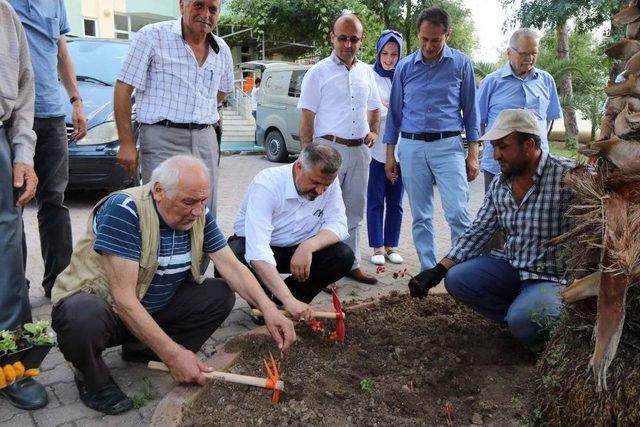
[12, 347]
[41, 338]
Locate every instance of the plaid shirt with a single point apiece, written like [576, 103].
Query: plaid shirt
[170, 85]
[541, 216]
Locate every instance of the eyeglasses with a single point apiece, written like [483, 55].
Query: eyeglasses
[394, 32]
[352, 39]
[523, 54]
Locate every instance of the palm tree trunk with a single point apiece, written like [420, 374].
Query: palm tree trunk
[566, 89]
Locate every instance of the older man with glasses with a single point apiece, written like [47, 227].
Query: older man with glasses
[340, 107]
[518, 84]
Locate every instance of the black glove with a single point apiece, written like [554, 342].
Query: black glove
[419, 286]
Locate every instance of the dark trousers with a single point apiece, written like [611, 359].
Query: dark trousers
[381, 192]
[86, 325]
[497, 241]
[327, 266]
[51, 163]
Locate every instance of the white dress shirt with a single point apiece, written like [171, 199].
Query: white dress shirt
[379, 150]
[170, 85]
[340, 97]
[274, 214]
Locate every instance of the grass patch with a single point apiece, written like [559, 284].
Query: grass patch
[146, 393]
[557, 148]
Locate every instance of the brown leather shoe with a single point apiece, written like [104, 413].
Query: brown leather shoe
[360, 276]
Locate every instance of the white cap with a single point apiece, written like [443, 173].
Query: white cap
[513, 120]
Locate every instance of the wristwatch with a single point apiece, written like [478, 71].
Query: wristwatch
[74, 99]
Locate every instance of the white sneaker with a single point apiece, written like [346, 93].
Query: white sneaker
[377, 259]
[394, 257]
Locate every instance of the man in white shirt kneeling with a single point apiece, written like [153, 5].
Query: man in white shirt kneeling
[293, 221]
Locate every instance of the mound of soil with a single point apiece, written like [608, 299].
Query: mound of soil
[404, 362]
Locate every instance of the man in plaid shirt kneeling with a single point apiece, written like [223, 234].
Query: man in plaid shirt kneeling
[520, 284]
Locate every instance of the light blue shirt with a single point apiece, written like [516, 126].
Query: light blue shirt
[502, 89]
[439, 97]
[44, 21]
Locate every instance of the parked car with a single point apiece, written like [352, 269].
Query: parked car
[92, 160]
[277, 115]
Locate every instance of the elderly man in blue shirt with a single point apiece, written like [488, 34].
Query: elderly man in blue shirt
[517, 85]
[433, 99]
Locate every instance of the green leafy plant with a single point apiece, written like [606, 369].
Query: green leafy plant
[146, 394]
[366, 384]
[8, 341]
[40, 333]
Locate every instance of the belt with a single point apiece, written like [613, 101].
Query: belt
[170, 124]
[348, 142]
[428, 136]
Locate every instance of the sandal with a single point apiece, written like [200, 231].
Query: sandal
[378, 258]
[393, 256]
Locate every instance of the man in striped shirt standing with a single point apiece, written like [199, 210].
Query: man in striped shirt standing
[528, 202]
[134, 279]
[180, 72]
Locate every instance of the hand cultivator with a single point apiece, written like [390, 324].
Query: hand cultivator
[13, 372]
[318, 326]
[272, 382]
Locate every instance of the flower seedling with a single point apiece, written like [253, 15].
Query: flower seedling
[40, 333]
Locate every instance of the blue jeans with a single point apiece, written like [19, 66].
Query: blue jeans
[493, 288]
[422, 163]
[380, 191]
[14, 293]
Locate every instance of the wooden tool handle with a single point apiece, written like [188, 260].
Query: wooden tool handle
[319, 314]
[232, 378]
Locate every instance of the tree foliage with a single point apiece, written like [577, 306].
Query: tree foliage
[309, 21]
[588, 14]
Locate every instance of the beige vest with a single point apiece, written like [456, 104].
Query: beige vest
[85, 273]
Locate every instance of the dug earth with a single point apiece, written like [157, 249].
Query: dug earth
[404, 362]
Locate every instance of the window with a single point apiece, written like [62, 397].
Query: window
[90, 27]
[122, 24]
[296, 83]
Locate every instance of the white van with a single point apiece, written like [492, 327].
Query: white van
[277, 115]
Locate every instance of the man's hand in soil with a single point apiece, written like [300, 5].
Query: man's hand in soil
[419, 286]
[299, 310]
[280, 328]
[185, 367]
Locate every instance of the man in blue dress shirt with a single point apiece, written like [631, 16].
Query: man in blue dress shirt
[517, 85]
[433, 99]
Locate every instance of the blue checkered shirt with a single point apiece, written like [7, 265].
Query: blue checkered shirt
[170, 85]
[527, 227]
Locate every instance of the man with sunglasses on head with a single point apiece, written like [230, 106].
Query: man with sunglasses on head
[340, 107]
[433, 99]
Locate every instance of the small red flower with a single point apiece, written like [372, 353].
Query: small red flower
[317, 326]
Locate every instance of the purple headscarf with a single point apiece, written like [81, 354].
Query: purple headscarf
[385, 37]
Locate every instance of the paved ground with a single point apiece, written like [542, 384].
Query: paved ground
[148, 387]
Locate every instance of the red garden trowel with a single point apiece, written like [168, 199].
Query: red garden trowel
[341, 330]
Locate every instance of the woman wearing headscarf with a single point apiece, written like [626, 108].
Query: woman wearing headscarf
[384, 230]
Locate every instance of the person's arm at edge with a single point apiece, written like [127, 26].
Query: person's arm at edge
[471, 118]
[127, 155]
[307, 117]
[20, 134]
[393, 122]
[68, 78]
